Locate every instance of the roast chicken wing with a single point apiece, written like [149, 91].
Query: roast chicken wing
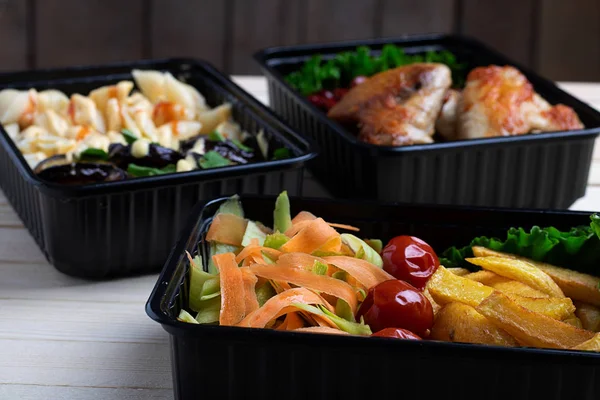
[398, 106]
[500, 101]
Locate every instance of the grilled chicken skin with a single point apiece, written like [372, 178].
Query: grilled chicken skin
[396, 107]
[500, 101]
[445, 125]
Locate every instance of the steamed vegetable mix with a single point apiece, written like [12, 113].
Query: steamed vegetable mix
[304, 274]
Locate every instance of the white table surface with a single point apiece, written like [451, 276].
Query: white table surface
[66, 338]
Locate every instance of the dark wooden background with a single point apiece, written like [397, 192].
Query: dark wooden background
[559, 38]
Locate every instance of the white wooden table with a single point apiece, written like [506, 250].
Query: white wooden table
[65, 338]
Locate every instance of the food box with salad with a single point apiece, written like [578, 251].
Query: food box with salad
[436, 119]
[353, 297]
[104, 163]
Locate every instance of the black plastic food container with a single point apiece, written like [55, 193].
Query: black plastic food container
[129, 227]
[547, 170]
[244, 363]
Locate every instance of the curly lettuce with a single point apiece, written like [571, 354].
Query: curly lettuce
[577, 248]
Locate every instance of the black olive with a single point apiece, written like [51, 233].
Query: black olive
[58, 170]
[157, 157]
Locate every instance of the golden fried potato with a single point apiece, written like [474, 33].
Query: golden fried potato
[518, 288]
[457, 322]
[528, 327]
[591, 345]
[459, 271]
[486, 277]
[589, 316]
[578, 286]
[436, 307]
[445, 287]
[521, 271]
[573, 320]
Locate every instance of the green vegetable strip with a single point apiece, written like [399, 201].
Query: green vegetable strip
[276, 240]
[138, 170]
[353, 328]
[578, 247]
[281, 215]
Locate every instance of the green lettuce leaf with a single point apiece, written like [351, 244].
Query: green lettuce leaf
[209, 313]
[253, 232]
[579, 247]
[353, 328]
[276, 240]
[282, 215]
[362, 250]
[185, 316]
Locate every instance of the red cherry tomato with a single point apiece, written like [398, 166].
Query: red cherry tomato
[358, 80]
[410, 259]
[397, 333]
[396, 304]
[339, 93]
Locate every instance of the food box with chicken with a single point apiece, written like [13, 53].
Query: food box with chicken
[103, 163]
[299, 290]
[435, 119]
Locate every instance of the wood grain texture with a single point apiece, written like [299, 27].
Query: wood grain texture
[341, 20]
[14, 34]
[32, 392]
[253, 27]
[74, 32]
[417, 16]
[569, 40]
[189, 28]
[508, 26]
[108, 365]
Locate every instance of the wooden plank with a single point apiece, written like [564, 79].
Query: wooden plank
[416, 16]
[107, 365]
[37, 392]
[18, 246]
[189, 28]
[257, 24]
[591, 201]
[87, 321]
[342, 20]
[74, 32]
[569, 40]
[14, 34]
[505, 25]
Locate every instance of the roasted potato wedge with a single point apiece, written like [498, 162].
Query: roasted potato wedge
[528, 327]
[457, 322]
[591, 345]
[576, 322]
[576, 285]
[436, 307]
[459, 271]
[518, 288]
[521, 271]
[486, 277]
[445, 287]
[589, 316]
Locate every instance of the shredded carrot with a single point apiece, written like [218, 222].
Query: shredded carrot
[303, 216]
[294, 229]
[363, 271]
[255, 249]
[228, 229]
[323, 321]
[309, 280]
[314, 235]
[280, 286]
[279, 305]
[292, 321]
[298, 260]
[233, 303]
[343, 226]
[250, 300]
[321, 329]
[333, 245]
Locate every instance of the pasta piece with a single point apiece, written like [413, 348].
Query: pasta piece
[33, 159]
[146, 125]
[18, 106]
[12, 130]
[212, 118]
[116, 137]
[185, 95]
[120, 91]
[138, 102]
[151, 84]
[177, 130]
[52, 122]
[83, 111]
[53, 100]
[168, 111]
[112, 111]
[230, 130]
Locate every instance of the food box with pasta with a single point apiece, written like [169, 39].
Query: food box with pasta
[103, 163]
[300, 298]
[433, 119]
